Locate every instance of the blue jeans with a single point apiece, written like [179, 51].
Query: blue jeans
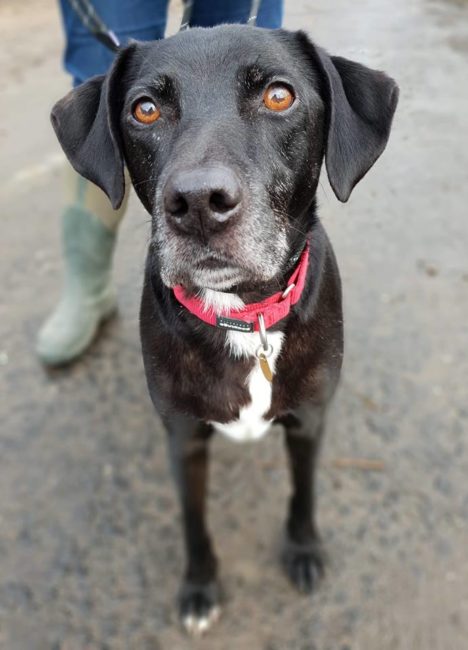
[145, 20]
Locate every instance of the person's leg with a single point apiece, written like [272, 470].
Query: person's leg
[84, 57]
[89, 224]
[89, 227]
[207, 13]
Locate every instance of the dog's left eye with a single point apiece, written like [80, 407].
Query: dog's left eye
[146, 111]
[278, 97]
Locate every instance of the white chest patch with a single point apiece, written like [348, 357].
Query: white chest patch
[251, 424]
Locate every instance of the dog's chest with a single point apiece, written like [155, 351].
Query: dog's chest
[251, 423]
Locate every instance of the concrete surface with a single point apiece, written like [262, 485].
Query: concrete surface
[90, 553]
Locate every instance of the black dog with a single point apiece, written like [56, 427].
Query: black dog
[223, 132]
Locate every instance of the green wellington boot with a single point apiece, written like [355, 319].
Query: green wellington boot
[89, 227]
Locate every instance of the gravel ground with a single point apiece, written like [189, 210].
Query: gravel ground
[90, 552]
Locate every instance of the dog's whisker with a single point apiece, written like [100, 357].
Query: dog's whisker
[145, 224]
[146, 180]
[291, 226]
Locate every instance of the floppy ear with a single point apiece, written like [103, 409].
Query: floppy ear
[360, 106]
[86, 124]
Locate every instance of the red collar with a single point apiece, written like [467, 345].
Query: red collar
[273, 309]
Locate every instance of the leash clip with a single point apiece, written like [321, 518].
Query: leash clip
[263, 335]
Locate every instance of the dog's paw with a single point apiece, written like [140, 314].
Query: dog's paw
[199, 607]
[304, 565]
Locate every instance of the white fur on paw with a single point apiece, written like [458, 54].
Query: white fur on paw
[198, 626]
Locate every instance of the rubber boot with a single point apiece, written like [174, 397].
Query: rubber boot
[89, 230]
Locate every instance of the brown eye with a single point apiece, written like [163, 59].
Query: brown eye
[278, 97]
[146, 111]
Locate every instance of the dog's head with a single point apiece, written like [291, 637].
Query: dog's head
[223, 132]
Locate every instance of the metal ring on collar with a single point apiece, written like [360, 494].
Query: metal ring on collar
[264, 352]
[287, 291]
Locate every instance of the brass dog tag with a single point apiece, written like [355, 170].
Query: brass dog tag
[265, 366]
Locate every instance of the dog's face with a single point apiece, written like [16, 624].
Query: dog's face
[223, 132]
[230, 165]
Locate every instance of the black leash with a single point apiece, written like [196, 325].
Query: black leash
[98, 28]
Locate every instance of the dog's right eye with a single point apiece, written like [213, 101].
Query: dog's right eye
[146, 111]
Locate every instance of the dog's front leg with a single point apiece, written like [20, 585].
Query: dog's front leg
[199, 595]
[302, 556]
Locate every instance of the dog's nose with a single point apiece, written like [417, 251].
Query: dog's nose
[206, 198]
